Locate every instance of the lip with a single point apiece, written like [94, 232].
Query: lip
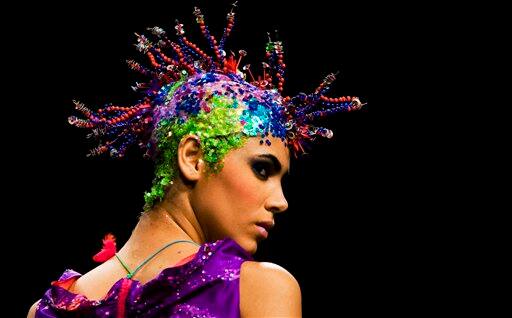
[264, 227]
[262, 231]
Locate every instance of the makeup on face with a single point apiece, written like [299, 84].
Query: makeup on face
[266, 165]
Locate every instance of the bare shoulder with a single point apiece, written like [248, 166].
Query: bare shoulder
[268, 290]
[96, 283]
[32, 310]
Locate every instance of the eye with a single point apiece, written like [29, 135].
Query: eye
[261, 169]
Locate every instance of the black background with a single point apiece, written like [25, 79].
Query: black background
[347, 236]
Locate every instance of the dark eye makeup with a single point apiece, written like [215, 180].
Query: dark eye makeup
[265, 166]
[262, 169]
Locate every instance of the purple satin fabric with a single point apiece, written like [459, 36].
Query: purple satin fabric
[207, 286]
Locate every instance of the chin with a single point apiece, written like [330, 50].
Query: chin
[250, 245]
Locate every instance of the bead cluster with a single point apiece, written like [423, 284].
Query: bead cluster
[192, 93]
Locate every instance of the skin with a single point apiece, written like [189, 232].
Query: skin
[202, 207]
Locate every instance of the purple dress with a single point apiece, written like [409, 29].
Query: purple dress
[206, 286]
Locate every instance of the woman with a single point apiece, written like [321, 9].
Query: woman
[221, 141]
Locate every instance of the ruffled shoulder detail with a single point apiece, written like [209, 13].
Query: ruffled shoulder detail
[214, 263]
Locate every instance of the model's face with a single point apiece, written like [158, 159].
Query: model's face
[247, 191]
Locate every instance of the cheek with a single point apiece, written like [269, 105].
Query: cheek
[229, 196]
[226, 203]
[242, 189]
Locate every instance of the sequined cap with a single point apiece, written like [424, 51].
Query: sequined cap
[207, 95]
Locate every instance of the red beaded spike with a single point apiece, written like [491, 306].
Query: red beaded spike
[227, 31]
[324, 86]
[274, 56]
[81, 108]
[153, 61]
[181, 58]
[137, 67]
[209, 37]
[180, 32]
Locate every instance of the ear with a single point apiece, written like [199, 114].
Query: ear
[190, 155]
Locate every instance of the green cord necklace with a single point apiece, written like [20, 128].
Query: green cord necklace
[131, 274]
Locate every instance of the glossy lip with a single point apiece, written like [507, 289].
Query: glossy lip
[264, 227]
[262, 231]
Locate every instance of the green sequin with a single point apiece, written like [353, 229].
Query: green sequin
[219, 130]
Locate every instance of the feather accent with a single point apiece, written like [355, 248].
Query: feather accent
[108, 250]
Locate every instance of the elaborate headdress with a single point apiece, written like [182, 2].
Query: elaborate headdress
[191, 92]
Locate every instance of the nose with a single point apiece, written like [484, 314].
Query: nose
[277, 203]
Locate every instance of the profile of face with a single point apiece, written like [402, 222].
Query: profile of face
[240, 201]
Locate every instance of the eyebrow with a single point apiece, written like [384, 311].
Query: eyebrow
[275, 162]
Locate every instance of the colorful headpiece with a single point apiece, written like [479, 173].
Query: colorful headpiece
[191, 92]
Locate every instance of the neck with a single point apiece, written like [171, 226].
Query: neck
[172, 219]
